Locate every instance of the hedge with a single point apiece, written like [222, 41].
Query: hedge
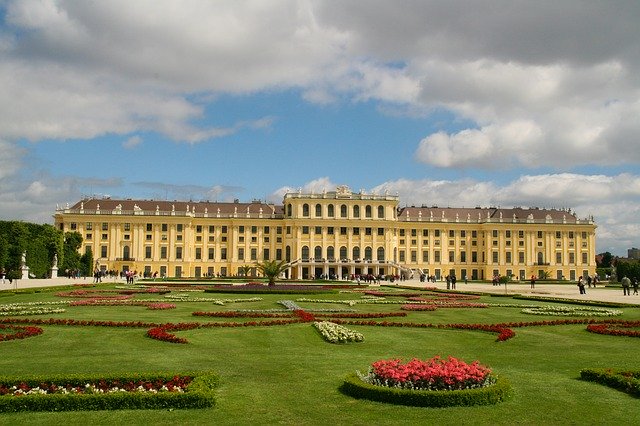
[355, 387]
[200, 393]
[623, 380]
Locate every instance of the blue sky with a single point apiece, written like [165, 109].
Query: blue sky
[524, 106]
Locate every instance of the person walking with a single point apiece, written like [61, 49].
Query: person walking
[533, 281]
[626, 283]
[635, 285]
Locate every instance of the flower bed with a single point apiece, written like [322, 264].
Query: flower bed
[18, 332]
[610, 330]
[623, 380]
[433, 383]
[334, 333]
[109, 392]
[578, 311]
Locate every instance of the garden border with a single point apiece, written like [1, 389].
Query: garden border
[200, 393]
[498, 392]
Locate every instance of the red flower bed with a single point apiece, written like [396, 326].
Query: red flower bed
[236, 314]
[434, 374]
[18, 332]
[609, 330]
[357, 315]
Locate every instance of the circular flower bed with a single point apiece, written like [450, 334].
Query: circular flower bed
[579, 311]
[436, 382]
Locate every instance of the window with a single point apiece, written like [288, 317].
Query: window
[289, 210]
[571, 235]
[343, 252]
[178, 252]
[88, 236]
[572, 258]
[318, 230]
[211, 253]
[494, 233]
[88, 226]
[520, 257]
[240, 253]
[305, 253]
[463, 234]
[163, 252]
[343, 230]
[265, 254]
[463, 256]
[425, 232]
[148, 237]
[452, 256]
[241, 229]
[585, 258]
[356, 253]
[331, 210]
[179, 227]
[105, 226]
[414, 256]
[279, 230]
[367, 211]
[198, 253]
[368, 253]
[331, 255]
[539, 234]
[520, 234]
[265, 230]
[254, 254]
[212, 229]
[558, 234]
[305, 210]
[147, 252]
[224, 229]
[198, 229]
[436, 256]
[559, 258]
[584, 235]
[452, 233]
[508, 257]
[425, 256]
[380, 212]
[402, 256]
[380, 254]
[356, 211]
[254, 229]
[367, 231]
[343, 210]
[330, 230]
[494, 256]
[127, 236]
[223, 253]
[356, 231]
[402, 232]
[507, 234]
[103, 251]
[474, 256]
[318, 210]
[305, 229]
[380, 232]
[437, 233]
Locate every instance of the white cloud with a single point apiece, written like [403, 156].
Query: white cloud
[132, 142]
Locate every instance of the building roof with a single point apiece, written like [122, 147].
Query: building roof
[484, 214]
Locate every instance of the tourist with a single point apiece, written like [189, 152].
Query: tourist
[626, 283]
[581, 285]
[635, 285]
[533, 281]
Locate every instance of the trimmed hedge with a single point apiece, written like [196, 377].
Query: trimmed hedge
[200, 393]
[355, 387]
[622, 380]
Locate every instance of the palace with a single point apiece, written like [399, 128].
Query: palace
[332, 234]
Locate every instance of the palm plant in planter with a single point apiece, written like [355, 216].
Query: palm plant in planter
[272, 269]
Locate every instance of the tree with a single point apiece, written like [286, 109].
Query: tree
[86, 262]
[272, 269]
[607, 259]
[71, 257]
[245, 270]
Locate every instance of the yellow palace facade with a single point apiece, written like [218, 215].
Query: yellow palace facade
[336, 234]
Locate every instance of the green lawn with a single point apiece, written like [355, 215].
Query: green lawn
[288, 375]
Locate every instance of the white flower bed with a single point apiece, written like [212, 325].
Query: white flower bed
[35, 311]
[578, 311]
[335, 333]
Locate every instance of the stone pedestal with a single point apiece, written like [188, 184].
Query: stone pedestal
[54, 272]
[25, 272]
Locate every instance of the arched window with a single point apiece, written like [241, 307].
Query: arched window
[368, 253]
[305, 253]
[380, 212]
[343, 210]
[331, 210]
[305, 210]
[287, 253]
[289, 210]
[317, 253]
[343, 253]
[367, 211]
[125, 252]
[331, 254]
[380, 254]
[540, 258]
[356, 211]
[356, 253]
[318, 210]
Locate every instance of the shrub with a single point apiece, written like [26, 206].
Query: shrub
[625, 381]
[199, 393]
[355, 387]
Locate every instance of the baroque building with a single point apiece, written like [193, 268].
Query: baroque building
[333, 234]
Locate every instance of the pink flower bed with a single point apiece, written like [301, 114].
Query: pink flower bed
[434, 374]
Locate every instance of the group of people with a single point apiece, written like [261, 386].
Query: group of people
[627, 284]
[587, 282]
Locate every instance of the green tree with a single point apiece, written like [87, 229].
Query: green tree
[71, 255]
[272, 269]
[245, 270]
[607, 259]
[86, 262]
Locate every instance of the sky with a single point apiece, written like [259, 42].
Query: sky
[449, 103]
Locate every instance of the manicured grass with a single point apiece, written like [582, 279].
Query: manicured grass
[288, 375]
